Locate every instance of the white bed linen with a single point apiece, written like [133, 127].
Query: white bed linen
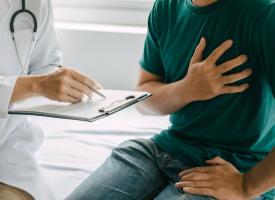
[72, 150]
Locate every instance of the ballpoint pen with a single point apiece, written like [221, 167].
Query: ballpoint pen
[98, 93]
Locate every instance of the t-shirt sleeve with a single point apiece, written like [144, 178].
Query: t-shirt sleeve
[265, 42]
[151, 60]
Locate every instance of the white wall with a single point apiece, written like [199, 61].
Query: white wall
[110, 58]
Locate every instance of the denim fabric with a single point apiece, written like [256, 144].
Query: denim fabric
[136, 170]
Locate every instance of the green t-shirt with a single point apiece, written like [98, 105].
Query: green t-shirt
[238, 127]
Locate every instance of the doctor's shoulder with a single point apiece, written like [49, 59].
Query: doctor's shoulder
[41, 8]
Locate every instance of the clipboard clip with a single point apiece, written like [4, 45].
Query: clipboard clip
[116, 105]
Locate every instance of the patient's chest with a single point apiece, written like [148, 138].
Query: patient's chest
[179, 40]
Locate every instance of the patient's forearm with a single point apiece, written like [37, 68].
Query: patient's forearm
[261, 178]
[166, 99]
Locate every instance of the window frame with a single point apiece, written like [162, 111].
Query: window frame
[109, 12]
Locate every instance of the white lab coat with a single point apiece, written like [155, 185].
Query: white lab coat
[19, 139]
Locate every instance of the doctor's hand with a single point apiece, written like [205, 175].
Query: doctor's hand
[206, 79]
[220, 180]
[66, 85]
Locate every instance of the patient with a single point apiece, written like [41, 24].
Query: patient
[210, 64]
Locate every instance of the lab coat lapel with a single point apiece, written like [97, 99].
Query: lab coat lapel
[5, 8]
[9, 65]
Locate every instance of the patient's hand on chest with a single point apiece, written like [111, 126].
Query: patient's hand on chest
[207, 80]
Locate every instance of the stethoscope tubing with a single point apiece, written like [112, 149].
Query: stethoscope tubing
[12, 22]
[12, 30]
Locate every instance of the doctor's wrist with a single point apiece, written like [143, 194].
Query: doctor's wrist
[36, 87]
[25, 87]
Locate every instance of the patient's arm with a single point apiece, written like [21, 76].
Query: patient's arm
[203, 81]
[165, 99]
[261, 178]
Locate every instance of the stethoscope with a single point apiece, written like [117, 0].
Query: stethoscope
[12, 30]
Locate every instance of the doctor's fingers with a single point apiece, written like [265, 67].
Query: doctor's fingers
[68, 94]
[72, 92]
[81, 78]
[68, 99]
[83, 88]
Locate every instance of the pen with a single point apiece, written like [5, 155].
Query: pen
[94, 90]
[99, 93]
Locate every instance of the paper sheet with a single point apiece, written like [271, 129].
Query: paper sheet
[88, 108]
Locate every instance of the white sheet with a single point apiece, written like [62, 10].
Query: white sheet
[72, 150]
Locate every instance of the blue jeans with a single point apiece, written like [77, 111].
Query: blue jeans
[136, 170]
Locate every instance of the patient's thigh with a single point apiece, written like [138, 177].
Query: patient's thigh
[131, 172]
[172, 193]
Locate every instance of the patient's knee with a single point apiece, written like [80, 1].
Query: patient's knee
[11, 193]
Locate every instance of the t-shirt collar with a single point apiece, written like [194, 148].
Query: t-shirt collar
[204, 9]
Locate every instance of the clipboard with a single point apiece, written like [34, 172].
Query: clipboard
[88, 110]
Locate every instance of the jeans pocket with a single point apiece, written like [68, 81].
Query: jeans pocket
[166, 160]
[169, 161]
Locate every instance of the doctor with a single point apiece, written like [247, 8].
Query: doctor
[29, 60]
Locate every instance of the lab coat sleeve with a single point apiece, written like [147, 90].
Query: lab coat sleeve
[6, 89]
[46, 56]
